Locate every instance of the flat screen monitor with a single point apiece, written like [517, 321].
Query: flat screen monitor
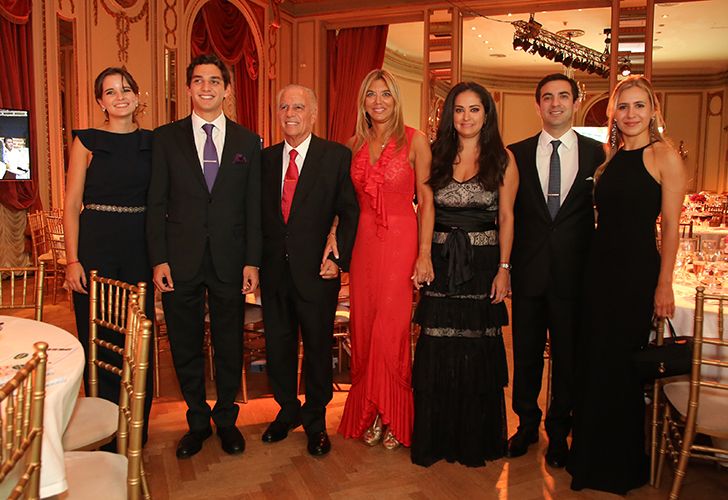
[15, 162]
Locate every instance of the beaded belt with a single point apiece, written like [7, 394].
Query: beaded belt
[115, 208]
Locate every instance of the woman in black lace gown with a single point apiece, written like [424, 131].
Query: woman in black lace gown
[108, 172]
[460, 364]
[627, 282]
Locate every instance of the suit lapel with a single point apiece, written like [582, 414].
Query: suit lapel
[228, 150]
[189, 150]
[309, 173]
[275, 165]
[580, 182]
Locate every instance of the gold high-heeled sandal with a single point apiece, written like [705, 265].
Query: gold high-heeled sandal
[390, 442]
[373, 434]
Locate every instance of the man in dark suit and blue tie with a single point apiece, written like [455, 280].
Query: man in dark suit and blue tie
[306, 186]
[204, 237]
[554, 221]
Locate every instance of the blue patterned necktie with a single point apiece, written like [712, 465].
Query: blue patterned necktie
[553, 198]
[209, 157]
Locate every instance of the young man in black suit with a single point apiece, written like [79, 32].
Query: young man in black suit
[306, 185]
[554, 221]
[204, 237]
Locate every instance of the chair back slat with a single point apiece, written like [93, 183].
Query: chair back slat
[24, 288]
[109, 301]
[21, 424]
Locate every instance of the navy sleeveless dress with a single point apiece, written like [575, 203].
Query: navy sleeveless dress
[608, 447]
[114, 243]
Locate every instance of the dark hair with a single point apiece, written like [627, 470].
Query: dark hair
[492, 160]
[99, 82]
[555, 77]
[113, 70]
[208, 59]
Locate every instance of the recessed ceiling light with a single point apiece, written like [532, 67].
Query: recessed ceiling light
[480, 36]
[490, 48]
[487, 41]
[473, 28]
[509, 14]
[665, 16]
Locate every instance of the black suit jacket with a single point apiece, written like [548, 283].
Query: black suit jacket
[324, 190]
[183, 215]
[550, 254]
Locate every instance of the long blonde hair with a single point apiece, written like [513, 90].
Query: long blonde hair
[395, 127]
[616, 139]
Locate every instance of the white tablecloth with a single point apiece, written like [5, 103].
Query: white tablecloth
[63, 380]
[710, 233]
[685, 317]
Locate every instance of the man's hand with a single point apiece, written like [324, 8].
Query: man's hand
[250, 279]
[163, 278]
[329, 270]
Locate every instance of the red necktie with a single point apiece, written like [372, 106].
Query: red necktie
[289, 185]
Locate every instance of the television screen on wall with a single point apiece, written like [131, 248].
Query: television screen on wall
[15, 145]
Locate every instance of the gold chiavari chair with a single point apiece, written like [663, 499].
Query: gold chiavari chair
[94, 420]
[21, 422]
[24, 289]
[56, 242]
[686, 229]
[700, 405]
[41, 249]
[253, 329]
[100, 474]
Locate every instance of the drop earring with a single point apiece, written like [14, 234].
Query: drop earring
[613, 136]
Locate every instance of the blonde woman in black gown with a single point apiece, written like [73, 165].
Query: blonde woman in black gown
[627, 282]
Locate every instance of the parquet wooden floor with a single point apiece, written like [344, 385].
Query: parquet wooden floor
[352, 470]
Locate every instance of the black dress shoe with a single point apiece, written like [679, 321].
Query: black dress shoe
[231, 439]
[518, 443]
[556, 454]
[318, 443]
[278, 431]
[191, 443]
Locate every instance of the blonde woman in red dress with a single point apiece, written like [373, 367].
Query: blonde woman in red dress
[392, 249]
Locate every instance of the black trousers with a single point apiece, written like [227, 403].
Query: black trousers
[184, 311]
[285, 310]
[532, 318]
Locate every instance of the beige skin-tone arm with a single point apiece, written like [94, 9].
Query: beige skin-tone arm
[506, 198]
[421, 159]
[79, 159]
[331, 245]
[663, 162]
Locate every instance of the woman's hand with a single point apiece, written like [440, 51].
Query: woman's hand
[423, 272]
[501, 286]
[330, 248]
[664, 301]
[76, 277]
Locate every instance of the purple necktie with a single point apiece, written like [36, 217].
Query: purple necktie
[209, 157]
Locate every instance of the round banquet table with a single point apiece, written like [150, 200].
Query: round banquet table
[685, 316]
[63, 380]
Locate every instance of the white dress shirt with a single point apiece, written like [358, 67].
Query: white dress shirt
[218, 136]
[301, 149]
[569, 155]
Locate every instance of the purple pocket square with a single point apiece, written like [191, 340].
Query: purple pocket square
[240, 159]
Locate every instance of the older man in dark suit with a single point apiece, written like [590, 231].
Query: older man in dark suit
[554, 221]
[306, 185]
[204, 237]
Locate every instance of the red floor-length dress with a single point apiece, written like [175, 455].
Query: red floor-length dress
[381, 293]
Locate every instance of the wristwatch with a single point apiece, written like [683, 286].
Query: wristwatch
[505, 265]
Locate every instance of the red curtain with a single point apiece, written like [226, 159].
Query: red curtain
[352, 53]
[220, 28]
[16, 89]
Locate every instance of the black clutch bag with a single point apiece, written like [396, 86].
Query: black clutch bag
[673, 357]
